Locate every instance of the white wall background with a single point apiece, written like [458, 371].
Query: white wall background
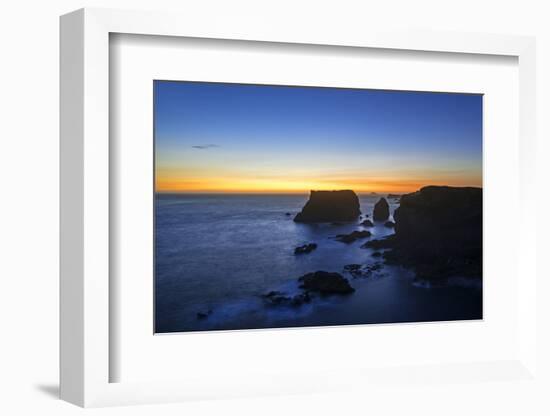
[29, 204]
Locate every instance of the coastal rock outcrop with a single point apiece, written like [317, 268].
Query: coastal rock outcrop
[326, 283]
[367, 223]
[381, 210]
[438, 233]
[353, 236]
[306, 248]
[330, 206]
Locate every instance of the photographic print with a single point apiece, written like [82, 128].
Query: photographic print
[289, 206]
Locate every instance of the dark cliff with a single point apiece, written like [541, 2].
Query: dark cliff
[438, 232]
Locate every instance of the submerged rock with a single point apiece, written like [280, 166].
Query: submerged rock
[276, 298]
[352, 267]
[353, 236]
[204, 315]
[326, 283]
[272, 293]
[300, 298]
[367, 223]
[381, 210]
[389, 224]
[359, 270]
[330, 206]
[306, 248]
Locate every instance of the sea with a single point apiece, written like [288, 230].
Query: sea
[216, 255]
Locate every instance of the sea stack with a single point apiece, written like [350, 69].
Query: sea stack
[330, 206]
[381, 210]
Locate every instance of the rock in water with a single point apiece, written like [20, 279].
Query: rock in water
[381, 210]
[305, 249]
[358, 270]
[330, 206]
[326, 283]
[353, 236]
[204, 315]
[438, 233]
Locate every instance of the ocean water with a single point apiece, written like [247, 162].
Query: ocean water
[217, 254]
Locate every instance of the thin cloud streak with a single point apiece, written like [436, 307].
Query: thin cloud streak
[204, 146]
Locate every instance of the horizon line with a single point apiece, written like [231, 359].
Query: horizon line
[300, 192]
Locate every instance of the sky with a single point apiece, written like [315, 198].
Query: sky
[240, 138]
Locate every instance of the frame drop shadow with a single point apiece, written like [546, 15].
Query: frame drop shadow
[51, 390]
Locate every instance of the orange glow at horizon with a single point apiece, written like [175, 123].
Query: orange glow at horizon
[304, 185]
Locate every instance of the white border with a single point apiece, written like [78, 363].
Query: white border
[85, 202]
[138, 60]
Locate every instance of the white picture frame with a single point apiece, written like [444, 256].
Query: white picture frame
[85, 202]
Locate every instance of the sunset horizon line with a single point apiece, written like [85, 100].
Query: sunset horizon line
[305, 191]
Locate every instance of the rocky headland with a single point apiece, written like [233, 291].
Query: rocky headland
[438, 233]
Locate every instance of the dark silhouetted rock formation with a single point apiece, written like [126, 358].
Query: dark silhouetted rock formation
[306, 248]
[204, 315]
[326, 283]
[381, 210]
[367, 223]
[351, 237]
[389, 224]
[438, 233]
[330, 206]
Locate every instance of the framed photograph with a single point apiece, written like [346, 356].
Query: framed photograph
[391, 230]
[248, 212]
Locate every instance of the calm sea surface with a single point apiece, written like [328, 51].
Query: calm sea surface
[220, 253]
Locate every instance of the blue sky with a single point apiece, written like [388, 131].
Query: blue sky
[216, 137]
